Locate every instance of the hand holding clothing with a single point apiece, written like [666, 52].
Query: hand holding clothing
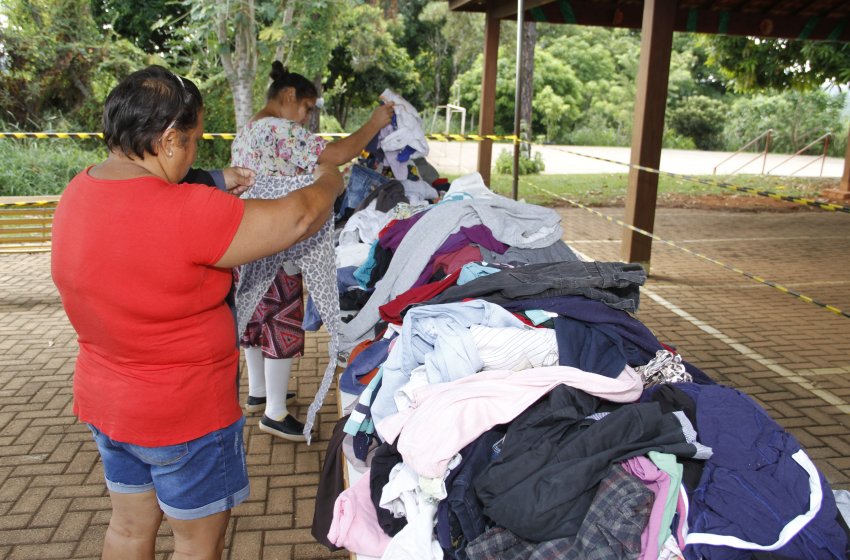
[237, 180]
[383, 115]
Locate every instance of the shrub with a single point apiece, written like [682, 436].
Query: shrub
[527, 166]
[44, 167]
[702, 119]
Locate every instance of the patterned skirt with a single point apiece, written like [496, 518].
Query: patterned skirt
[275, 325]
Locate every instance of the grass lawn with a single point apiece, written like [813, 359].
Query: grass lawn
[609, 189]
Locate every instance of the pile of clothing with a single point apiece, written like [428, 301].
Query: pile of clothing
[510, 406]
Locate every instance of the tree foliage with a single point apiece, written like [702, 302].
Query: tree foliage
[56, 64]
[59, 58]
[364, 64]
[754, 64]
[797, 119]
[137, 21]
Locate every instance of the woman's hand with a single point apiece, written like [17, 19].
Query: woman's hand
[382, 115]
[237, 180]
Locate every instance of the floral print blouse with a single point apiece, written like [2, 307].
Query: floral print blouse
[275, 146]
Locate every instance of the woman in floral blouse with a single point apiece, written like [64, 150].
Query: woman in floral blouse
[275, 142]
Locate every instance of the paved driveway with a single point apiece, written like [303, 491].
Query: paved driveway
[462, 157]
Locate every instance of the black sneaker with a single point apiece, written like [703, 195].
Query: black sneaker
[289, 428]
[258, 404]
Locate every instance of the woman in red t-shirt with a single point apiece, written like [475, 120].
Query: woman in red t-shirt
[143, 268]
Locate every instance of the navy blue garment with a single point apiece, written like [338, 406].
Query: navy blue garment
[752, 486]
[589, 347]
[554, 456]
[639, 343]
[371, 357]
[386, 457]
[460, 519]
[616, 284]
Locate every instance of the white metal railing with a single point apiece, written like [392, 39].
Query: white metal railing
[763, 154]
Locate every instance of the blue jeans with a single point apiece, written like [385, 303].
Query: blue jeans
[361, 182]
[194, 479]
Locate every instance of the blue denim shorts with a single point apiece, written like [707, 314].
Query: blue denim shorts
[195, 479]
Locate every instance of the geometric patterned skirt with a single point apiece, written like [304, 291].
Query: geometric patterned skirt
[276, 323]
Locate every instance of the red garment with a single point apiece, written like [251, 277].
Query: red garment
[392, 310]
[132, 262]
[450, 262]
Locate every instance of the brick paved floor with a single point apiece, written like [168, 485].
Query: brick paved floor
[792, 356]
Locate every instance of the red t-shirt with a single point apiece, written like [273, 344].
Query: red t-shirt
[133, 264]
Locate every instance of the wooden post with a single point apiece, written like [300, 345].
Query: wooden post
[842, 193]
[648, 128]
[520, 19]
[488, 95]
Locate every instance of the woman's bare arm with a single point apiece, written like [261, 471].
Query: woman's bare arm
[346, 149]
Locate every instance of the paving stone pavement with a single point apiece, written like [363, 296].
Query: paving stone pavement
[789, 355]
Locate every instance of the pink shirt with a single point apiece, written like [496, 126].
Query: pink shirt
[444, 418]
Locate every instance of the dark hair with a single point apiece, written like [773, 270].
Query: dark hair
[282, 79]
[144, 105]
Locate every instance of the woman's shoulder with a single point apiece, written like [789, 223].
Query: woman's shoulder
[278, 126]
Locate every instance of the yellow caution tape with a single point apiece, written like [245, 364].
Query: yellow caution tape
[231, 136]
[78, 135]
[722, 184]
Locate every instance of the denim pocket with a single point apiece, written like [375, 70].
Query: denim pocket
[160, 456]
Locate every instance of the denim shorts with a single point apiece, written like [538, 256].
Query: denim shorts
[195, 479]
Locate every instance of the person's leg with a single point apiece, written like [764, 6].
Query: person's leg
[197, 491]
[254, 361]
[283, 340]
[131, 534]
[200, 539]
[278, 373]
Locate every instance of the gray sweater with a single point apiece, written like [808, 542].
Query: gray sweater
[514, 223]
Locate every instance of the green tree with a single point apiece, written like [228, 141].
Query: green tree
[56, 65]
[136, 21]
[796, 117]
[702, 119]
[364, 64]
[553, 110]
[305, 37]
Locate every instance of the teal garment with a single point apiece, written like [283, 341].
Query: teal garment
[360, 419]
[364, 272]
[473, 270]
[667, 463]
[538, 316]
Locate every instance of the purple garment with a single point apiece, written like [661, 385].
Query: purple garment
[480, 235]
[658, 482]
[638, 340]
[394, 233]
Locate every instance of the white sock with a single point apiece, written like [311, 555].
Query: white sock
[277, 384]
[256, 371]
